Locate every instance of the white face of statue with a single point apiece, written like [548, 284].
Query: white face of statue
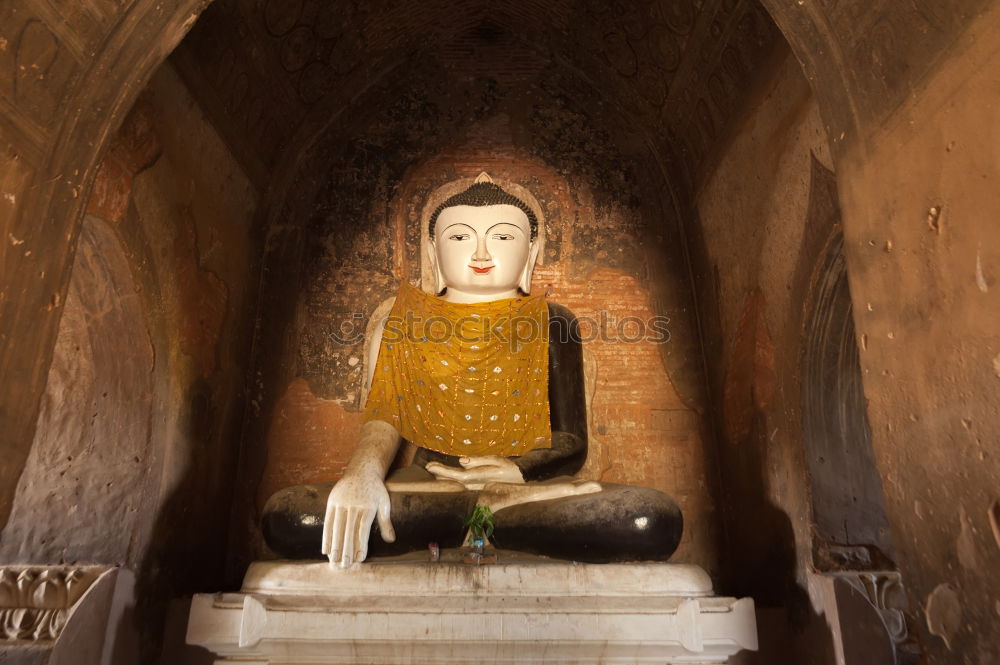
[483, 253]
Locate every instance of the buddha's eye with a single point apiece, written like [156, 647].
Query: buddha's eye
[458, 236]
[503, 236]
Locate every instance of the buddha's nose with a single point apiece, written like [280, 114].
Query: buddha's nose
[481, 253]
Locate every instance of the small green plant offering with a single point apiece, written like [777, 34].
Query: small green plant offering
[481, 522]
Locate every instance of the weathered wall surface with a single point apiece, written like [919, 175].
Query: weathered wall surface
[920, 247]
[759, 234]
[144, 403]
[865, 58]
[91, 463]
[188, 227]
[272, 71]
[69, 75]
[920, 210]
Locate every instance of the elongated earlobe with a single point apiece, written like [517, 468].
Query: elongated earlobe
[529, 268]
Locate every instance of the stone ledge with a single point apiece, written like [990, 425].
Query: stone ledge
[514, 574]
[559, 613]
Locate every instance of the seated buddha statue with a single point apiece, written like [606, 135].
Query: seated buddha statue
[487, 381]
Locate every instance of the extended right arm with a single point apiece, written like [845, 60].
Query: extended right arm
[360, 496]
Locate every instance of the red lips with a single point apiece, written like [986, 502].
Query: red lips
[482, 271]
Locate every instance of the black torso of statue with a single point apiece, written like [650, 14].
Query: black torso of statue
[483, 249]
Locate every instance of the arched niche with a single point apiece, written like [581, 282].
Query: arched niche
[91, 472]
[105, 58]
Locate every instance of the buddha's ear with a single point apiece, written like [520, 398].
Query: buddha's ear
[529, 267]
[439, 282]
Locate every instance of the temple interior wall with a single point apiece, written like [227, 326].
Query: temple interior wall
[752, 236]
[913, 210]
[92, 453]
[144, 396]
[757, 239]
[167, 270]
[925, 288]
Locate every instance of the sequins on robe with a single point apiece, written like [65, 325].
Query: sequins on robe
[464, 379]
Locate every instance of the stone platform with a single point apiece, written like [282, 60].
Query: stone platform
[397, 612]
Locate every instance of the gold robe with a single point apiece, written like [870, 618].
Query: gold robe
[464, 379]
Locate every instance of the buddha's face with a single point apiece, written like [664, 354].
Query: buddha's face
[483, 250]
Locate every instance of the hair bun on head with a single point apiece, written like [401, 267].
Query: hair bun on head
[484, 192]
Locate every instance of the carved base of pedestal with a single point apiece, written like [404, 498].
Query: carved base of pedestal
[428, 613]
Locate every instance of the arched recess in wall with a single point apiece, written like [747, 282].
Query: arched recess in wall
[350, 220]
[56, 123]
[851, 530]
[91, 465]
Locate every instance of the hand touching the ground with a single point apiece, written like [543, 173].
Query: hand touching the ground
[477, 471]
[360, 496]
[353, 505]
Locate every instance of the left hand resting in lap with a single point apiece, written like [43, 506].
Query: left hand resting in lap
[477, 471]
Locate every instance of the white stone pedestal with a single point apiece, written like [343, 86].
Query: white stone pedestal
[415, 613]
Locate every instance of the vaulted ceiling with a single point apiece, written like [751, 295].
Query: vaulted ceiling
[272, 73]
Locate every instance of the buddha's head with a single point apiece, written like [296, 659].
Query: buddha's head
[483, 244]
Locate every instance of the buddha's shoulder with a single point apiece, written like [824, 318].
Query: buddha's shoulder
[557, 311]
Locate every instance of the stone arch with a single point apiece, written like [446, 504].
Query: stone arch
[93, 76]
[807, 29]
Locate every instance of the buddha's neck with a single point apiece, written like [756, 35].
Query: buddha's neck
[465, 297]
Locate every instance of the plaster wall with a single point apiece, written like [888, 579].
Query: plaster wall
[91, 463]
[916, 208]
[70, 74]
[189, 227]
[144, 400]
[927, 286]
[753, 214]
[758, 235]
[192, 215]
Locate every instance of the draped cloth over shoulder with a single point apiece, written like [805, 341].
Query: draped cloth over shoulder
[464, 379]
